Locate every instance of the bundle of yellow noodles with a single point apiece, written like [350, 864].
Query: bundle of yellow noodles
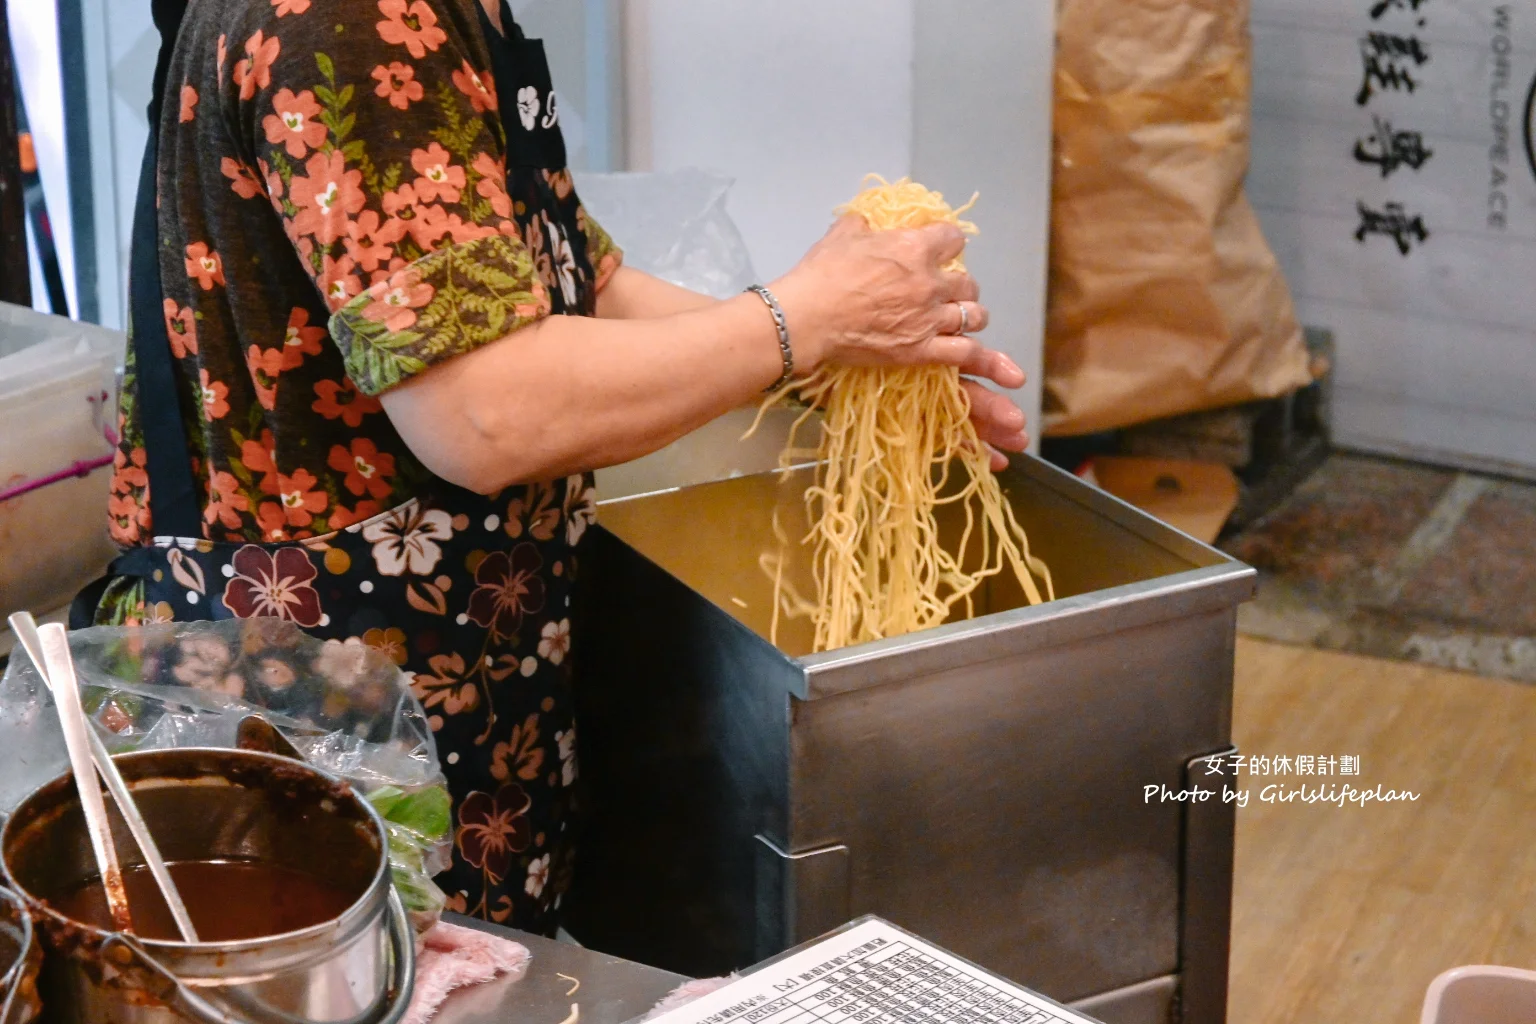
[897, 443]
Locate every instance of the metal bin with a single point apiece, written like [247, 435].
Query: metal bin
[981, 783]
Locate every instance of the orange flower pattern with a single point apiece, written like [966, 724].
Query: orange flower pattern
[412, 25]
[204, 266]
[181, 327]
[367, 469]
[255, 71]
[295, 122]
[391, 642]
[341, 400]
[397, 83]
[241, 180]
[477, 86]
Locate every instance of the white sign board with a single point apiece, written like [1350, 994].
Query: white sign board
[1394, 170]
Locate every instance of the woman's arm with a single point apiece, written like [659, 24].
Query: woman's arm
[571, 393]
[567, 394]
[631, 294]
[438, 308]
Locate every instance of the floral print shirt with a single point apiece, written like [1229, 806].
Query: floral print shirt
[334, 219]
[336, 216]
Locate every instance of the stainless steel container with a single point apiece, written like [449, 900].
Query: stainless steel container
[20, 959]
[981, 784]
[219, 804]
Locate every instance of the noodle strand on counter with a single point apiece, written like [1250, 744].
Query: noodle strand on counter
[890, 442]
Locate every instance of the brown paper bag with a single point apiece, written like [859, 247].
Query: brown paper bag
[1164, 297]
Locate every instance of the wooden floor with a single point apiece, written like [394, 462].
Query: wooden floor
[1346, 914]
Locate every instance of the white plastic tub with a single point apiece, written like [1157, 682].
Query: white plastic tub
[1481, 995]
[58, 398]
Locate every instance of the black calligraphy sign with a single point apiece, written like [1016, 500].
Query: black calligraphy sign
[1383, 6]
[1394, 222]
[1389, 149]
[1387, 61]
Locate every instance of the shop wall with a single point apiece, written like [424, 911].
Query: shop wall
[800, 105]
[1435, 354]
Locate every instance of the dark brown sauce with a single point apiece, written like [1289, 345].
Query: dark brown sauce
[10, 949]
[228, 901]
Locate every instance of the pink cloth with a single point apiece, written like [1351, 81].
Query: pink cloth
[687, 992]
[454, 957]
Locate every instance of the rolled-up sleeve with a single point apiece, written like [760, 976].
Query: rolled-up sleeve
[601, 250]
[448, 302]
[379, 144]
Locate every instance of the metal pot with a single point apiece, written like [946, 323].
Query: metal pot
[219, 804]
[20, 959]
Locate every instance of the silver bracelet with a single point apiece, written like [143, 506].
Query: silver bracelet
[782, 325]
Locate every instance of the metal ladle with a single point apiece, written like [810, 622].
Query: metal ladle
[48, 647]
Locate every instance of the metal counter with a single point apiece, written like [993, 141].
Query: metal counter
[612, 991]
[980, 784]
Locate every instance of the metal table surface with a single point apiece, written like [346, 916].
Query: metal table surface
[612, 990]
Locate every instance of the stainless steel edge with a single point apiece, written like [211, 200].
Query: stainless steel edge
[1021, 630]
[804, 893]
[1059, 481]
[1147, 1002]
[642, 495]
[1117, 510]
[1205, 912]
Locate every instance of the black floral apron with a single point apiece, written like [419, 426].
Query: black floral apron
[480, 585]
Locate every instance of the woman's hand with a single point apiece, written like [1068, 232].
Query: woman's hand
[999, 422]
[882, 298]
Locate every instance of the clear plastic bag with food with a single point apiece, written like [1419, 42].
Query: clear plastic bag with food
[344, 707]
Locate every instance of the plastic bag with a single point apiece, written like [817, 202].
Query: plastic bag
[673, 225]
[1164, 296]
[347, 708]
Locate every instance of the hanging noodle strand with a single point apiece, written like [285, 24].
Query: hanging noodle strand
[886, 463]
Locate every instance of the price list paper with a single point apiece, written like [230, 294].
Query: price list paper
[871, 973]
[1393, 166]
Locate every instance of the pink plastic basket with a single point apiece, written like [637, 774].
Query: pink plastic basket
[1481, 995]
